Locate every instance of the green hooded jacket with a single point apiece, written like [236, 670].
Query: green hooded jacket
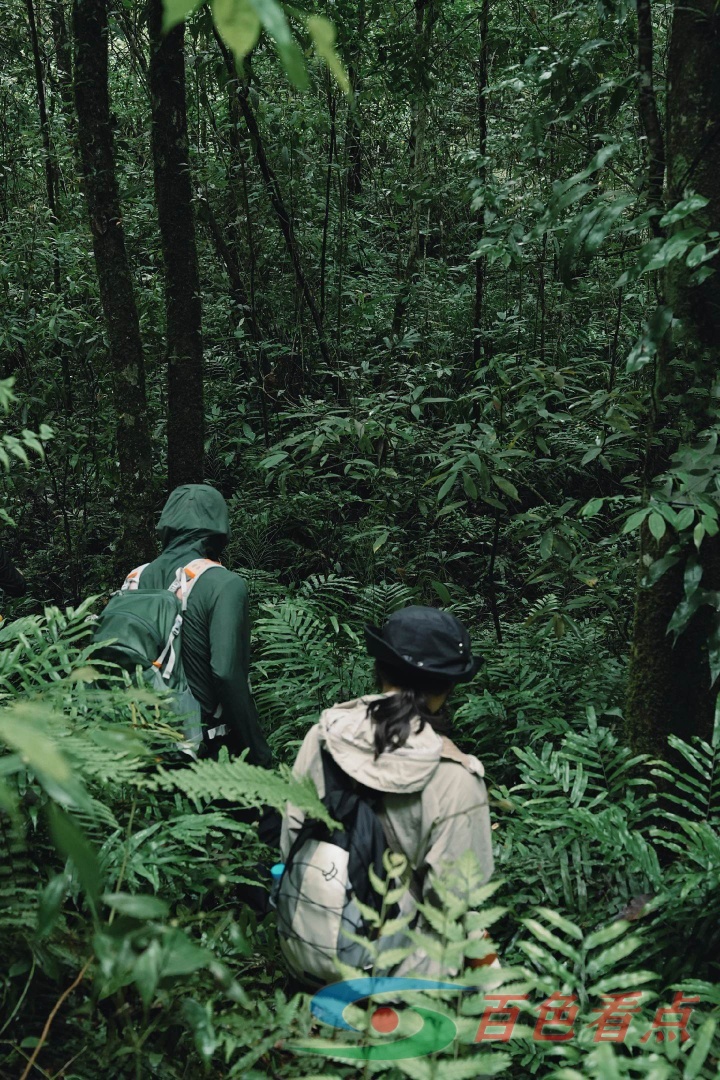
[216, 627]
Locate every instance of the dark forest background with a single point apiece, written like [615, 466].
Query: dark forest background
[435, 307]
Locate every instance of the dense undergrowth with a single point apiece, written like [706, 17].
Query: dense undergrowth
[496, 458]
[177, 975]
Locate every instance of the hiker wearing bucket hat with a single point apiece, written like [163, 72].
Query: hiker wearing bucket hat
[424, 641]
[430, 797]
[420, 653]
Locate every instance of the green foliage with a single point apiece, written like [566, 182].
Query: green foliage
[407, 454]
[240, 23]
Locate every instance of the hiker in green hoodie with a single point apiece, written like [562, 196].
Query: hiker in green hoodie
[216, 626]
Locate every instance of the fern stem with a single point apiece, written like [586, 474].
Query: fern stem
[53, 1013]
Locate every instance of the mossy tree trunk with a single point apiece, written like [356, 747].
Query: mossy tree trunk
[670, 685]
[173, 194]
[135, 497]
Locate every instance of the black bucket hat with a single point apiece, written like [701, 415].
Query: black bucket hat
[424, 640]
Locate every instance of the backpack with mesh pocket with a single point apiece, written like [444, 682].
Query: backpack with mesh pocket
[142, 628]
[326, 873]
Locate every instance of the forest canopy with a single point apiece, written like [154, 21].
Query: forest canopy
[429, 292]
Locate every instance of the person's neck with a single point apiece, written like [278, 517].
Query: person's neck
[434, 702]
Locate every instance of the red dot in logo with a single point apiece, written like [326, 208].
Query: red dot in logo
[385, 1020]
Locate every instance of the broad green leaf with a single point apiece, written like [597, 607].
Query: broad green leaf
[659, 567]
[674, 247]
[449, 508]
[20, 729]
[714, 651]
[273, 459]
[606, 934]
[592, 507]
[382, 539]
[71, 842]
[37, 749]
[546, 544]
[442, 591]
[176, 11]
[323, 34]
[703, 1045]
[146, 971]
[181, 956]
[556, 944]
[8, 799]
[199, 1019]
[684, 612]
[561, 922]
[506, 486]
[239, 25]
[635, 519]
[612, 955]
[710, 523]
[685, 518]
[644, 349]
[682, 209]
[273, 19]
[692, 576]
[698, 534]
[447, 485]
[591, 454]
[477, 1065]
[657, 525]
[621, 980]
[51, 902]
[696, 255]
[469, 486]
[137, 906]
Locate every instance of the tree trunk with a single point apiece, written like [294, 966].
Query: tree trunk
[328, 191]
[669, 687]
[426, 14]
[135, 496]
[173, 194]
[229, 260]
[63, 62]
[353, 131]
[480, 264]
[272, 187]
[649, 113]
[50, 165]
[51, 184]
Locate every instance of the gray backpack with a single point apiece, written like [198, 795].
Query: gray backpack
[326, 873]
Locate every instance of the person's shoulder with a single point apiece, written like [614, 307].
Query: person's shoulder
[221, 579]
[309, 758]
[454, 787]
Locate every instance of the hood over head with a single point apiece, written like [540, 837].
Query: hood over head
[347, 733]
[194, 512]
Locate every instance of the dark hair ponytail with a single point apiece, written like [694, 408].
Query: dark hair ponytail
[393, 714]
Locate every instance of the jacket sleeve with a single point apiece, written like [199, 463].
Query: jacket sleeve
[461, 824]
[229, 626]
[11, 580]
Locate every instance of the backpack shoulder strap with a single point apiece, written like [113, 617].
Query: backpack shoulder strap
[337, 780]
[450, 752]
[132, 581]
[186, 576]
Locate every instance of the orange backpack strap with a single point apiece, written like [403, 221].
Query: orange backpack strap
[186, 576]
[199, 566]
[132, 580]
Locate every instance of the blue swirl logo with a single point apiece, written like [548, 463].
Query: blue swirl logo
[436, 1030]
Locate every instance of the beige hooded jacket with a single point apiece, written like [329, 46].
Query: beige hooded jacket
[435, 805]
